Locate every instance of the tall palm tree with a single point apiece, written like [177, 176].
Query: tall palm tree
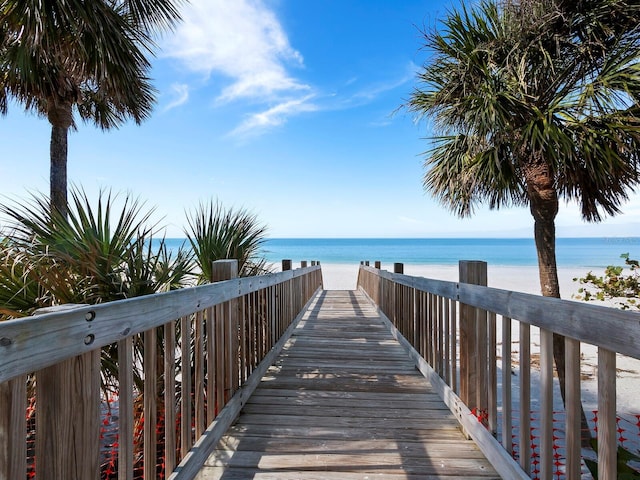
[534, 101]
[86, 58]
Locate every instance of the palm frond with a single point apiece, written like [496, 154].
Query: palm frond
[216, 233]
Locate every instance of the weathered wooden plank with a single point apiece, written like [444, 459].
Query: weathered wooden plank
[170, 441]
[186, 433]
[221, 473]
[607, 446]
[125, 407]
[68, 419]
[331, 395]
[380, 463]
[525, 397]
[433, 447]
[434, 402]
[333, 432]
[13, 427]
[150, 400]
[370, 411]
[507, 408]
[573, 406]
[546, 403]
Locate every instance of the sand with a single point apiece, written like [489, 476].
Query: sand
[521, 279]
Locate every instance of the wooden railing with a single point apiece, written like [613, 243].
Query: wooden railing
[193, 351]
[452, 329]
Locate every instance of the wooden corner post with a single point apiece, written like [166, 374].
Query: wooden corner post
[473, 340]
[13, 425]
[68, 415]
[226, 333]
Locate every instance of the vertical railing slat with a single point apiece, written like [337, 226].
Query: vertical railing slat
[607, 443]
[13, 428]
[546, 403]
[492, 374]
[186, 438]
[125, 409]
[447, 341]
[573, 407]
[525, 397]
[507, 409]
[198, 381]
[454, 347]
[211, 365]
[169, 397]
[150, 403]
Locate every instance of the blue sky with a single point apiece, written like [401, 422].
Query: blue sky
[285, 108]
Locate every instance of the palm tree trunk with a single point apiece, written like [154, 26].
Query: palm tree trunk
[61, 119]
[543, 202]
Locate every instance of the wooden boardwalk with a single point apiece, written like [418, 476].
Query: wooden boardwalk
[344, 401]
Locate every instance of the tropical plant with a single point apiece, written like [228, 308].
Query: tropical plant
[534, 101]
[615, 284]
[65, 58]
[217, 233]
[50, 258]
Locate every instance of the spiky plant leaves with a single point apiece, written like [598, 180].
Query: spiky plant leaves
[217, 233]
[81, 257]
[20, 292]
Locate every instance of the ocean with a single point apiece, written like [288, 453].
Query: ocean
[571, 252]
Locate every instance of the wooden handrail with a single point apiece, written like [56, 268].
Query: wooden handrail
[605, 327]
[207, 339]
[424, 312]
[31, 343]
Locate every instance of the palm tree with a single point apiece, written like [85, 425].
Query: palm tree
[533, 102]
[217, 233]
[85, 58]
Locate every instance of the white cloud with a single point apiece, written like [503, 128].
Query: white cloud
[240, 39]
[274, 116]
[180, 92]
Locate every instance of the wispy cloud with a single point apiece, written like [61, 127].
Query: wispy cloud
[180, 94]
[242, 40]
[370, 92]
[274, 116]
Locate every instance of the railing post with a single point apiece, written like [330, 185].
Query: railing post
[68, 415]
[398, 268]
[303, 264]
[473, 341]
[377, 264]
[13, 427]
[228, 329]
[286, 265]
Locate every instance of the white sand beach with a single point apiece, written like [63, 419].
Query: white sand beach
[521, 279]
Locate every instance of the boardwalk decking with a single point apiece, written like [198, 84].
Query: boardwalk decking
[344, 401]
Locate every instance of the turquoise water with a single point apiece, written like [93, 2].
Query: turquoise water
[571, 252]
